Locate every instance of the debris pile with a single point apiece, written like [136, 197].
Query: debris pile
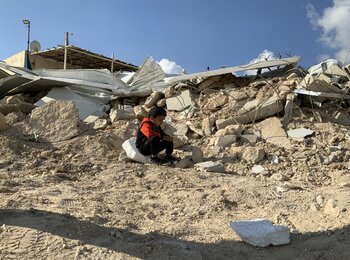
[272, 121]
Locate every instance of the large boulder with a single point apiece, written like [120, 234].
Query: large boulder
[54, 122]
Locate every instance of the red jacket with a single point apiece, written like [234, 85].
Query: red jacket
[147, 130]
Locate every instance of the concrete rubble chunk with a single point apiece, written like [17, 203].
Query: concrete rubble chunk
[248, 138]
[153, 99]
[288, 110]
[261, 232]
[175, 129]
[121, 114]
[225, 140]
[254, 111]
[210, 166]
[140, 112]
[197, 154]
[179, 102]
[318, 85]
[272, 132]
[3, 124]
[299, 133]
[180, 141]
[195, 128]
[253, 154]
[54, 122]
[161, 102]
[215, 101]
[184, 163]
[207, 125]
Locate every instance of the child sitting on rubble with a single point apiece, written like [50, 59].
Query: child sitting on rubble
[151, 139]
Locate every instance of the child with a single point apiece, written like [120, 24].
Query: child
[151, 139]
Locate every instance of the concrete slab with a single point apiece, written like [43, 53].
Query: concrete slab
[179, 102]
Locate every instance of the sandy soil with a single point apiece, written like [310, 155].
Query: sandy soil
[76, 200]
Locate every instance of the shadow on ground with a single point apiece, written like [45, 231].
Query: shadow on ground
[319, 245]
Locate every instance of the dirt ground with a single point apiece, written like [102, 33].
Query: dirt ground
[76, 200]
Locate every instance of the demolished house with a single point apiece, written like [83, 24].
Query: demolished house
[215, 110]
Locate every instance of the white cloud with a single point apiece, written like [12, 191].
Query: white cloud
[170, 67]
[264, 56]
[334, 24]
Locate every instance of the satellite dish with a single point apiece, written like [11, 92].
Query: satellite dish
[34, 46]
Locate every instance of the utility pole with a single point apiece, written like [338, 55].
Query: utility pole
[65, 51]
[112, 65]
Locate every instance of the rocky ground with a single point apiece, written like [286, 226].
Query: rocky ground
[76, 200]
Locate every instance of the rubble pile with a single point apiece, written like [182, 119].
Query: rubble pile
[279, 124]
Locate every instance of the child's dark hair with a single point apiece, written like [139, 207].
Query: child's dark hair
[156, 112]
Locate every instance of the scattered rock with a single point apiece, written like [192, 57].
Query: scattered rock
[253, 154]
[197, 154]
[210, 166]
[184, 163]
[224, 141]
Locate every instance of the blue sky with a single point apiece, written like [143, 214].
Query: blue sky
[193, 33]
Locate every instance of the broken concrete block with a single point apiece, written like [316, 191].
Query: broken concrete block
[253, 154]
[169, 92]
[153, 99]
[179, 141]
[318, 85]
[54, 122]
[215, 101]
[179, 102]
[121, 114]
[261, 232]
[222, 123]
[268, 108]
[288, 110]
[210, 166]
[195, 128]
[197, 154]
[3, 124]
[184, 164]
[207, 125]
[225, 140]
[174, 129]
[161, 103]
[140, 112]
[249, 138]
[272, 132]
[100, 124]
[230, 130]
[250, 105]
[299, 133]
